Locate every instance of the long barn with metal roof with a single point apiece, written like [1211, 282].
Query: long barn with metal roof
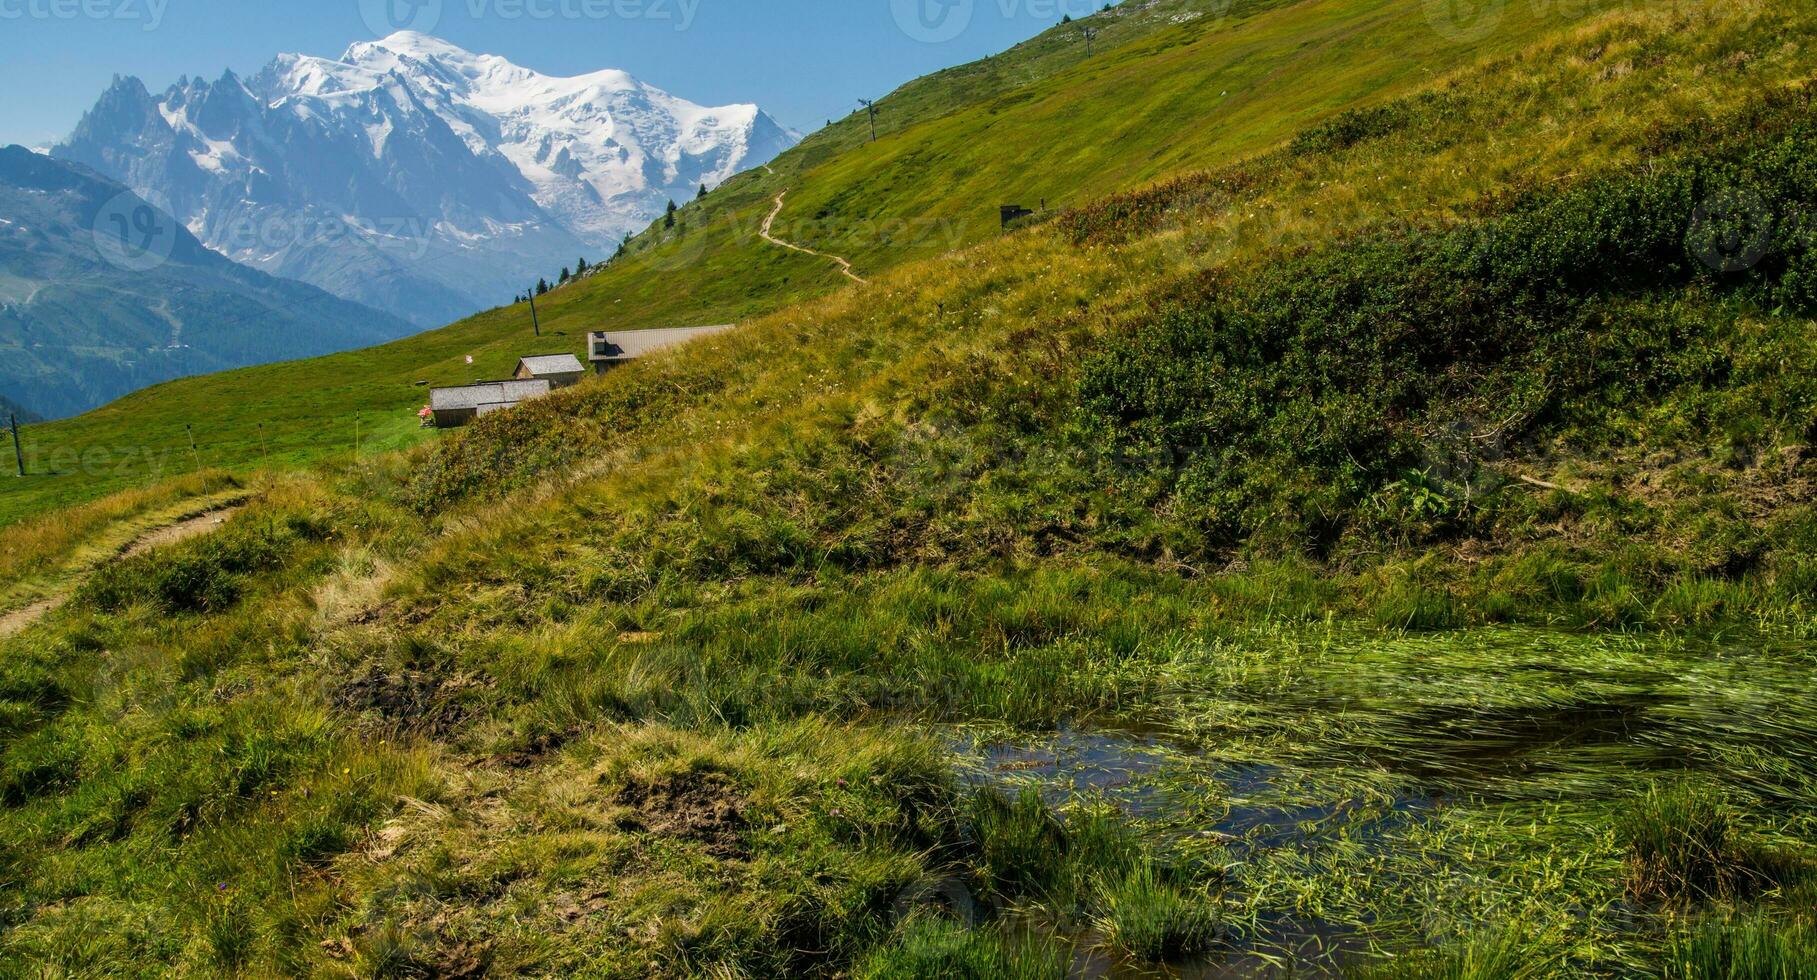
[455, 407]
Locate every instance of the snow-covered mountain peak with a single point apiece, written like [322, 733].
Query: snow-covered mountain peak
[413, 129]
[412, 44]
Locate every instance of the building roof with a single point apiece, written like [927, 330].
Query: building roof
[629, 345]
[543, 365]
[493, 393]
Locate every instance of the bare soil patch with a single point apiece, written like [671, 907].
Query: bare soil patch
[180, 531]
[409, 700]
[704, 807]
[17, 620]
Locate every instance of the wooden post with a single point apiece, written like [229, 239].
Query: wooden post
[534, 322]
[194, 453]
[871, 107]
[18, 453]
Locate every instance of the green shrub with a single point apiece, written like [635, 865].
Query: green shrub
[206, 576]
[1291, 406]
[1355, 126]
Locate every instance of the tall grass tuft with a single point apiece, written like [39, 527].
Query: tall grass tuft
[1682, 845]
[1506, 954]
[1145, 916]
[1749, 949]
[1021, 842]
[938, 948]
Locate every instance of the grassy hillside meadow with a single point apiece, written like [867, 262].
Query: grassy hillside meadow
[1037, 122]
[1382, 546]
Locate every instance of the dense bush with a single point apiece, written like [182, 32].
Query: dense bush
[1287, 403]
[1354, 126]
[207, 576]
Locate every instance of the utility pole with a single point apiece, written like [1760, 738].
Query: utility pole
[194, 452]
[872, 108]
[18, 453]
[535, 324]
[1090, 35]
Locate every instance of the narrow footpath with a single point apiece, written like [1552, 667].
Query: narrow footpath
[769, 222]
[19, 620]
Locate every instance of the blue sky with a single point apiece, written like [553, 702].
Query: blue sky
[803, 60]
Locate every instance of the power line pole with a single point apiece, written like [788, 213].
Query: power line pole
[536, 324]
[872, 108]
[1090, 35]
[18, 453]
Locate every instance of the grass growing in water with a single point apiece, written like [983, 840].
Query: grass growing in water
[1683, 846]
[929, 948]
[1503, 955]
[1150, 918]
[663, 708]
[1753, 948]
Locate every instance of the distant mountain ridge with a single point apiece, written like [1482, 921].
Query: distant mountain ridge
[15, 411]
[86, 317]
[412, 175]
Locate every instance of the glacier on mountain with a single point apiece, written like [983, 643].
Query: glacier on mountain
[412, 175]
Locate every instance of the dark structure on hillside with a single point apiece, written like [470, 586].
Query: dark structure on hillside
[1012, 213]
[560, 370]
[455, 407]
[611, 349]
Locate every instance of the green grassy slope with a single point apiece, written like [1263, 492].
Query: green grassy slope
[1202, 512]
[1164, 93]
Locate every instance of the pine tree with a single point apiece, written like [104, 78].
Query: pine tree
[580, 268]
[668, 220]
[542, 286]
[703, 193]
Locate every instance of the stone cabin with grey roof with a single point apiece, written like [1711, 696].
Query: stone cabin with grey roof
[455, 407]
[560, 370]
[619, 347]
